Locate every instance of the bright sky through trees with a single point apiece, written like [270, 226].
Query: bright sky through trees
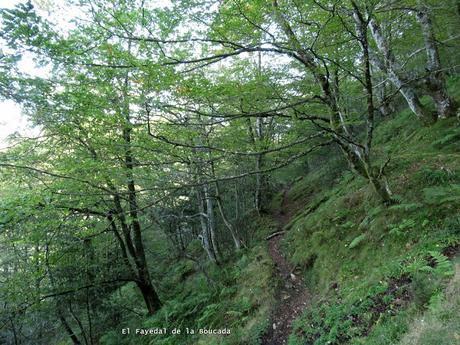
[11, 119]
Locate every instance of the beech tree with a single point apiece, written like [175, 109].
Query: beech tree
[165, 123]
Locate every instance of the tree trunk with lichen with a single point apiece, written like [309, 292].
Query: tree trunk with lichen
[398, 77]
[435, 80]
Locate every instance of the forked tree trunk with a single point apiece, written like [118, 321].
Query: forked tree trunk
[365, 163]
[381, 187]
[225, 219]
[398, 77]
[205, 199]
[356, 154]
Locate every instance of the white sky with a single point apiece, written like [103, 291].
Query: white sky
[11, 119]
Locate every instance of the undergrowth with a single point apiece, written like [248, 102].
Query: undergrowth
[374, 271]
[237, 298]
[377, 275]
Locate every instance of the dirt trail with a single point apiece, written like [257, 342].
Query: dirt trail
[292, 295]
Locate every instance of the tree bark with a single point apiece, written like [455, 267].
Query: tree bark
[151, 298]
[458, 9]
[357, 155]
[211, 219]
[229, 225]
[68, 329]
[79, 323]
[205, 240]
[13, 328]
[385, 107]
[226, 221]
[396, 76]
[361, 33]
[436, 82]
[136, 243]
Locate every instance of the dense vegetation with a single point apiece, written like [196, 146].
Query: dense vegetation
[173, 135]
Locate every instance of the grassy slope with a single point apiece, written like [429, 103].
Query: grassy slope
[375, 270]
[378, 275]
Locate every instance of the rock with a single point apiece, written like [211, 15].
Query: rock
[274, 325]
[293, 277]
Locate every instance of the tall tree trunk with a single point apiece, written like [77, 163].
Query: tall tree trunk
[361, 33]
[68, 329]
[436, 83]
[228, 224]
[59, 311]
[258, 189]
[211, 219]
[225, 219]
[202, 167]
[13, 328]
[237, 202]
[143, 280]
[396, 76]
[458, 9]
[260, 192]
[79, 323]
[89, 296]
[385, 107]
[88, 316]
[357, 155]
[205, 238]
[151, 298]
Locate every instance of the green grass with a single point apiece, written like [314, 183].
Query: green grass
[369, 266]
[377, 275]
[440, 323]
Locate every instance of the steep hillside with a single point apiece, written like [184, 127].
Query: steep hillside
[376, 271]
[375, 274]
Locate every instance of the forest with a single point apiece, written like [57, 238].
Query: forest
[233, 172]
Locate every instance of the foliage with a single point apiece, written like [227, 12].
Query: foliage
[166, 132]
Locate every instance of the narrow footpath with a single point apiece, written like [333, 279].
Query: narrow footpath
[292, 295]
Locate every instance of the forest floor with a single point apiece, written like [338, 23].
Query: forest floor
[292, 296]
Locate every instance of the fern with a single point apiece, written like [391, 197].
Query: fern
[435, 301]
[441, 195]
[356, 241]
[447, 140]
[417, 265]
[401, 228]
[407, 206]
[208, 317]
[443, 266]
